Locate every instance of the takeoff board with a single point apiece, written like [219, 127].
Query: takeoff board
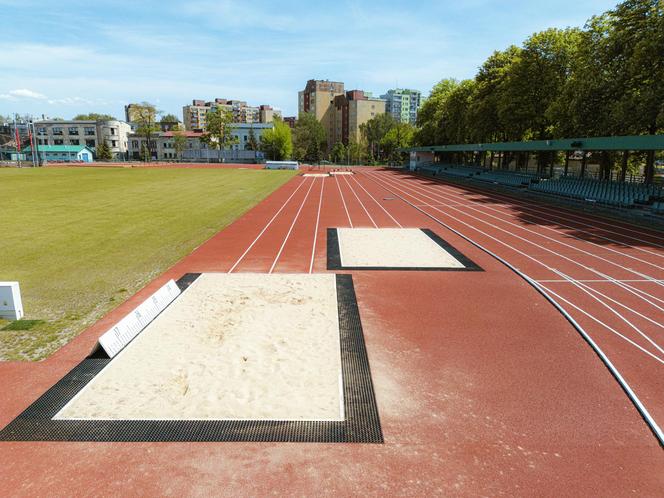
[121, 334]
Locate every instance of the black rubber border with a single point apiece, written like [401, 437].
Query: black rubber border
[361, 425]
[334, 256]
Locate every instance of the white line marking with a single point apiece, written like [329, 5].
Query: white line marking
[344, 201]
[361, 203]
[531, 242]
[642, 334]
[265, 228]
[297, 215]
[313, 249]
[374, 199]
[590, 281]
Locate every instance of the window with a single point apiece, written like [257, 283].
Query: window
[114, 131]
[57, 130]
[72, 131]
[58, 141]
[89, 131]
[41, 131]
[114, 143]
[74, 141]
[134, 144]
[90, 143]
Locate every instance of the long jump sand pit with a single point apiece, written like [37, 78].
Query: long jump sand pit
[392, 249]
[231, 347]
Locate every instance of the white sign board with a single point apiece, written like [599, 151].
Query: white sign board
[121, 334]
[11, 307]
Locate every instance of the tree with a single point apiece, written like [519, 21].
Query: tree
[169, 122]
[374, 131]
[179, 141]
[356, 151]
[338, 152]
[252, 142]
[145, 118]
[309, 139]
[104, 152]
[277, 142]
[218, 129]
[399, 136]
[429, 117]
[93, 116]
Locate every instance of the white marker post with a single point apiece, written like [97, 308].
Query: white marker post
[11, 307]
[121, 334]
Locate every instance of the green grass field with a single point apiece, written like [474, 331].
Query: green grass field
[81, 240]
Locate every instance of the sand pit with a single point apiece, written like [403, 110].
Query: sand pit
[316, 175]
[392, 248]
[341, 173]
[232, 346]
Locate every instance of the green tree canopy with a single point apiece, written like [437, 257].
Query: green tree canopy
[145, 117]
[218, 129]
[277, 143]
[309, 139]
[93, 116]
[104, 152]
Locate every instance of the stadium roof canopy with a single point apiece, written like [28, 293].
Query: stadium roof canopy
[632, 142]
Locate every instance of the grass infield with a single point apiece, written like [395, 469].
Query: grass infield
[81, 240]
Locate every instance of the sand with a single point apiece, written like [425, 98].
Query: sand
[232, 346]
[341, 173]
[316, 175]
[392, 247]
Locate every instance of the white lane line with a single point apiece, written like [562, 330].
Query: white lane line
[415, 189]
[320, 203]
[650, 421]
[636, 291]
[638, 331]
[350, 222]
[608, 327]
[361, 203]
[481, 211]
[556, 214]
[379, 204]
[266, 227]
[297, 215]
[597, 280]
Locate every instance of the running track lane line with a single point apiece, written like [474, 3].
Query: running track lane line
[379, 204]
[438, 194]
[320, 203]
[297, 215]
[447, 195]
[360, 201]
[336, 177]
[265, 228]
[655, 234]
[416, 190]
[652, 424]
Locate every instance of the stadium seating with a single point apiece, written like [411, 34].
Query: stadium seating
[605, 192]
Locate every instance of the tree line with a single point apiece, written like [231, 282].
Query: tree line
[602, 80]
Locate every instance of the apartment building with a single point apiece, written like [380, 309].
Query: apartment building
[403, 104]
[195, 114]
[318, 98]
[349, 111]
[163, 145]
[89, 133]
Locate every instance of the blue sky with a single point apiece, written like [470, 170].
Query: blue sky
[63, 58]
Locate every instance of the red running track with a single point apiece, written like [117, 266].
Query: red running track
[483, 388]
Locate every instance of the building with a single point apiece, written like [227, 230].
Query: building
[87, 133]
[403, 104]
[318, 98]
[349, 111]
[163, 145]
[195, 114]
[62, 153]
[290, 121]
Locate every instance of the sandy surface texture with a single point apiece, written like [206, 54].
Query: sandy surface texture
[232, 346]
[316, 175]
[392, 247]
[341, 173]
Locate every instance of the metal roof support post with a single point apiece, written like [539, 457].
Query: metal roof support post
[649, 172]
[566, 161]
[491, 162]
[623, 166]
[552, 158]
[583, 165]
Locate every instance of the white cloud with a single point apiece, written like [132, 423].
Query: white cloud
[22, 93]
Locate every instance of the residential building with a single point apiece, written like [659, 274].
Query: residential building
[87, 133]
[62, 153]
[403, 104]
[163, 145]
[351, 110]
[318, 98]
[290, 121]
[195, 114]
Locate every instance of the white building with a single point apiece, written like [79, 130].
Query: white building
[163, 145]
[88, 133]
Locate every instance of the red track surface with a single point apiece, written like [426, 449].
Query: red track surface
[483, 388]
